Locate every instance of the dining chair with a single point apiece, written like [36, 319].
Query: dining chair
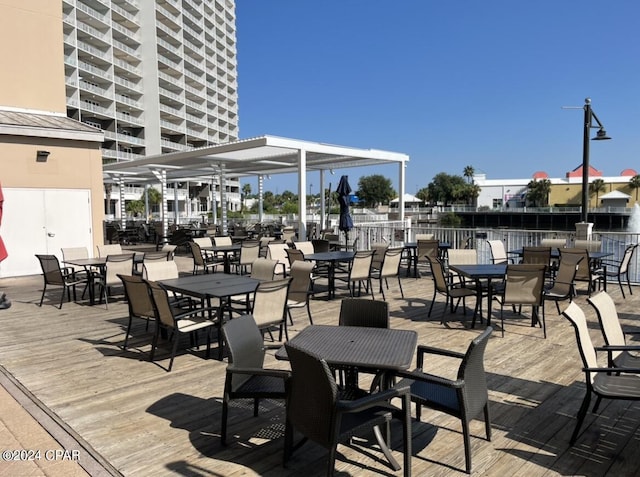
[620, 354]
[523, 285]
[178, 321]
[160, 270]
[170, 250]
[316, 410]
[222, 241]
[277, 252]
[249, 253]
[590, 245]
[55, 275]
[121, 264]
[300, 288]
[450, 290]
[359, 272]
[425, 237]
[603, 382]
[587, 272]
[465, 397]
[293, 255]
[75, 253]
[305, 247]
[460, 256]
[160, 255]
[246, 376]
[264, 242]
[426, 249]
[563, 286]
[390, 267]
[378, 249]
[203, 260]
[536, 255]
[320, 245]
[619, 269]
[498, 252]
[109, 249]
[269, 306]
[553, 243]
[139, 302]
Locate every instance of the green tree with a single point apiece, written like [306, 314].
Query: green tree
[423, 194]
[246, 190]
[538, 192]
[471, 193]
[469, 171]
[634, 183]
[375, 189]
[134, 207]
[446, 188]
[596, 187]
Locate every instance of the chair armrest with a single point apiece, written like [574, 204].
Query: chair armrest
[418, 375]
[612, 370]
[374, 399]
[423, 349]
[618, 348]
[197, 311]
[276, 373]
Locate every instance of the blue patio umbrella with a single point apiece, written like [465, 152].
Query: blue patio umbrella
[343, 190]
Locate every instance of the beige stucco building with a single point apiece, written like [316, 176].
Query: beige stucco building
[50, 165]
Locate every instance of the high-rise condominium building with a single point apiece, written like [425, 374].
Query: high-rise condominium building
[156, 76]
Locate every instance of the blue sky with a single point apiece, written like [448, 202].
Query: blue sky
[450, 83]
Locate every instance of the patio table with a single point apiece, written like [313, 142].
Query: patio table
[380, 349]
[227, 251]
[331, 258]
[412, 249]
[478, 272]
[215, 285]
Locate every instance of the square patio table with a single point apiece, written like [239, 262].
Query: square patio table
[214, 285]
[412, 249]
[227, 251]
[331, 258]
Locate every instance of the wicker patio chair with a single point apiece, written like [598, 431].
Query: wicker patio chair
[620, 354]
[603, 382]
[55, 275]
[465, 397]
[246, 377]
[315, 410]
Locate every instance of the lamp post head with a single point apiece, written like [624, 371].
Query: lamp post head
[601, 135]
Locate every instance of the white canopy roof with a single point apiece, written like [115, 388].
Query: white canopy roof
[408, 198]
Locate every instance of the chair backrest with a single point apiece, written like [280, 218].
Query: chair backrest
[288, 234]
[584, 268]
[51, 269]
[156, 256]
[269, 302]
[320, 245]
[361, 265]
[427, 248]
[524, 284]
[553, 243]
[74, 253]
[161, 304]
[536, 255]
[109, 249]
[263, 269]
[364, 312]
[293, 254]
[566, 274]
[391, 262]
[471, 372]
[331, 237]
[460, 256]
[626, 258]
[579, 321]
[136, 292]
[202, 241]
[160, 270]
[437, 271]
[378, 249]
[277, 252]
[196, 252]
[170, 250]
[609, 321]
[249, 252]
[305, 247]
[425, 237]
[246, 346]
[590, 245]
[498, 252]
[222, 241]
[300, 280]
[311, 396]
[121, 264]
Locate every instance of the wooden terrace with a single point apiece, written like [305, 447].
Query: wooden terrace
[136, 419]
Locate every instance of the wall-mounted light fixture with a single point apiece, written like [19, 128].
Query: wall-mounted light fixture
[42, 156]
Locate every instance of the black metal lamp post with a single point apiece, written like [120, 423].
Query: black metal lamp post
[589, 118]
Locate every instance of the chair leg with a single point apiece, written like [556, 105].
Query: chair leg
[467, 446]
[309, 312]
[126, 337]
[581, 414]
[433, 299]
[487, 421]
[43, 292]
[400, 286]
[174, 350]
[225, 413]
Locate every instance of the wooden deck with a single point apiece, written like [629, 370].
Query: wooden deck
[145, 421]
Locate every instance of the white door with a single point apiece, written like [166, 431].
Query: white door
[37, 221]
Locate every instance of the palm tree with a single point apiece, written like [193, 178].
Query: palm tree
[634, 183]
[468, 173]
[596, 187]
[246, 190]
